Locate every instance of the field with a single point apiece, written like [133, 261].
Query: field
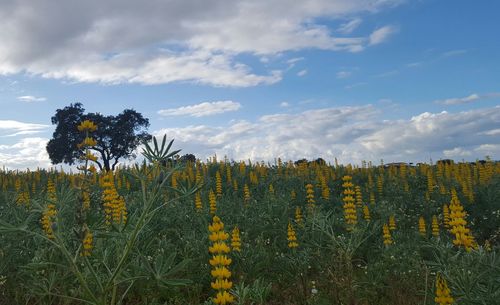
[280, 233]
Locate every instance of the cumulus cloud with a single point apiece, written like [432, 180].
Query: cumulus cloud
[382, 34]
[27, 153]
[202, 109]
[196, 41]
[14, 128]
[351, 134]
[31, 98]
[467, 99]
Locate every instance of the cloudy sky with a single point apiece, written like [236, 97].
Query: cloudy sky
[250, 79]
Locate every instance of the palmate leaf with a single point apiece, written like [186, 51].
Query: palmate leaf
[164, 269]
[159, 154]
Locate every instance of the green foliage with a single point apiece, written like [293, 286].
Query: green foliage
[160, 255]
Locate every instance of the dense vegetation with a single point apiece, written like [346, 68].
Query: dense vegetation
[140, 235]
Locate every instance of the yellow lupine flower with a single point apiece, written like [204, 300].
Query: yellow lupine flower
[197, 202]
[291, 237]
[386, 234]
[235, 239]
[221, 272]
[219, 247]
[213, 202]
[421, 226]
[392, 223]
[87, 125]
[223, 297]
[222, 260]
[216, 236]
[87, 243]
[443, 296]
[435, 226]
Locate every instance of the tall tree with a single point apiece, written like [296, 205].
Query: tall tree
[117, 136]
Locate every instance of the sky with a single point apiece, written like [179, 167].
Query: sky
[355, 80]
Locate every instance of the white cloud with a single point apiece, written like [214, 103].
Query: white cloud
[456, 152]
[284, 104]
[414, 64]
[31, 98]
[14, 128]
[202, 109]
[350, 133]
[474, 97]
[382, 34]
[124, 41]
[454, 53]
[27, 153]
[343, 74]
[388, 73]
[302, 72]
[349, 27]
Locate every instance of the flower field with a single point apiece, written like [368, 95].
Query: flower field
[221, 232]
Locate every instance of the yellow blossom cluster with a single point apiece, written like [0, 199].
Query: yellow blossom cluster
[350, 214]
[291, 237]
[236, 240]
[87, 243]
[421, 226]
[114, 205]
[197, 202]
[220, 262]
[386, 233]
[47, 221]
[213, 202]
[435, 226]
[310, 195]
[443, 296]
[463, 236]
[87, 125]
[298, 216]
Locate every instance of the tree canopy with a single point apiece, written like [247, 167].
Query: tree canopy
[117, 136]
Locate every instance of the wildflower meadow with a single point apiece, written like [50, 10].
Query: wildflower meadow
[171, 231]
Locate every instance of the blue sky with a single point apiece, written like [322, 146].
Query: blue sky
[357, 80]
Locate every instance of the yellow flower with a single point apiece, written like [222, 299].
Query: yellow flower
[235, 239]
[87, 142]
[197, 202]
[218, 184]
[216, 236]
[222, 260]
[386, 234]
[87, 125]
[221, 284]
[114, 205]
[213, 202]
[298, 215]
[48, 219]
[350, 215]
[219, 247]
[246, 192]
[223, 297]
[392, 223]
[291, 237]
[366, 213]
[421, 226]
[87, 243]
[443, 296]
[435, 226]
